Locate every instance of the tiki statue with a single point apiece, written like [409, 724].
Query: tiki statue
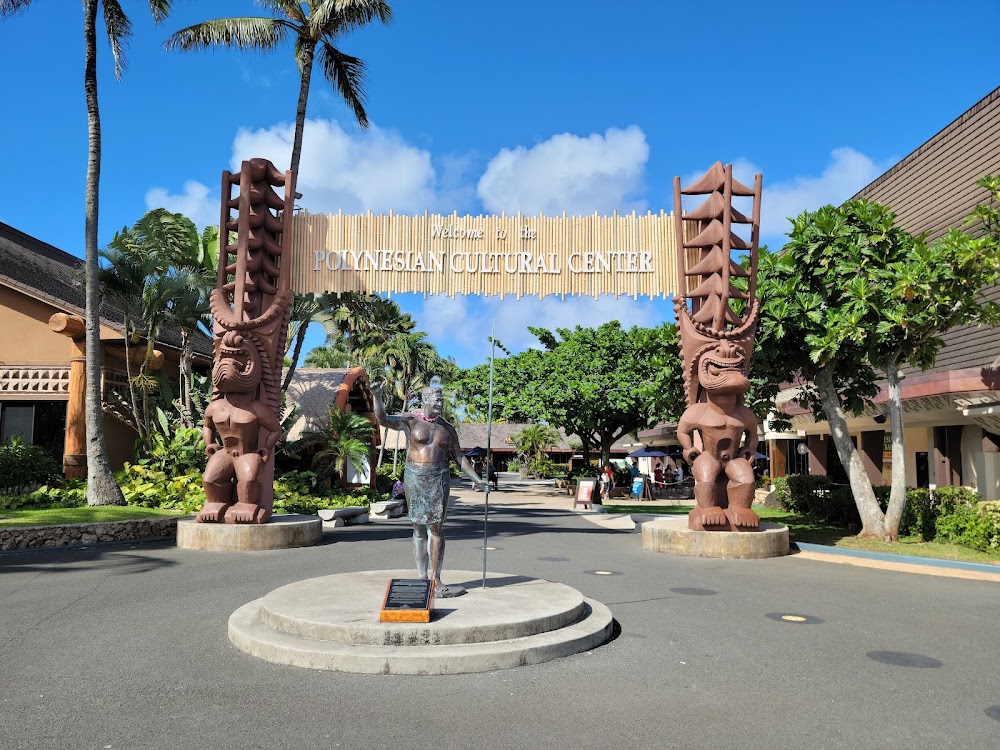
[251, 306]
[717, 432]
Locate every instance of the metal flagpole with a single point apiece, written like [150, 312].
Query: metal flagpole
[489, 447]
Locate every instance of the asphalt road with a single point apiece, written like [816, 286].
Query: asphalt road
[121, 647]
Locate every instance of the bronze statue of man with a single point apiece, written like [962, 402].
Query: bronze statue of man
[431, 445]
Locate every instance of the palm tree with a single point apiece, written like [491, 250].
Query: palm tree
[101, 486]
[315, 26]
[346, 437]
[534, 439]
[306, 309]
[156, 273]
[328, 357]
[411, 361]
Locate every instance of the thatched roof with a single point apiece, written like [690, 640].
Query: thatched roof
[314, 390]
[472, 434]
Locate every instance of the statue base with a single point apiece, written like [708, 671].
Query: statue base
[332, 623]
[282, 532]
[673, 537]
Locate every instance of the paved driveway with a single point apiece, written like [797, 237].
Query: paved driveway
[125, 647]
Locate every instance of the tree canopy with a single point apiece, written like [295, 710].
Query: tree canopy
[850, 299]
[598, 383]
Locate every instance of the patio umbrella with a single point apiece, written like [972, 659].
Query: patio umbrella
[476, 452]
[758, 456]
[647, 452]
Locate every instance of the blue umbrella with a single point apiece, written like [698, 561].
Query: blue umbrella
[476, 452]
[645, 452]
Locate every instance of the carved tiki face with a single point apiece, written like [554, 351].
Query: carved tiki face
[237, 365]
[715, 362]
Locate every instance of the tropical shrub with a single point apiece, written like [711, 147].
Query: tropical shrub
[151, 487]
[70, 494]
[23, 465]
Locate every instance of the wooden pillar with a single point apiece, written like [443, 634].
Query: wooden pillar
[817, 455]
[779, 458]
[75, 442]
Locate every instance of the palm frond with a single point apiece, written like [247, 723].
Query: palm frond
[119, 29]
[160, 9]
[347, 75]
[336, 17]
[242, 33]
[10, 7]
[290, 8]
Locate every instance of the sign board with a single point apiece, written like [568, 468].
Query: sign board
[586, 489]
[407, 600]
[633, 255]
[640, 488]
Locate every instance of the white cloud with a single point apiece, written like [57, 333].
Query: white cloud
[847, 172]
[569, 173]
[196, 201]
[372, 171]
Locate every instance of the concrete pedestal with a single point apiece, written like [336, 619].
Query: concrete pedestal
[283, 532]
[672, 536]
[332, 623]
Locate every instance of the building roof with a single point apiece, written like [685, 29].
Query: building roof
[315, 389]
[50, 274]
[934, 189]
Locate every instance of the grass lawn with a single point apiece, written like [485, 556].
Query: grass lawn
[811, 531]
[97, 514]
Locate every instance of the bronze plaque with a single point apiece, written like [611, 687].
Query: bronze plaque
[407, 600]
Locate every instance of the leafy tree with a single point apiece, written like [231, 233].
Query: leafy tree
[101, 486]
[937, 288]
[852, 295]
[316, 26]
[598, 384]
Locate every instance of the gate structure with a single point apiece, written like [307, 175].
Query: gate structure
[276, 253]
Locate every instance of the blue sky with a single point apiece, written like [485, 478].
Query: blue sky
[481, 107]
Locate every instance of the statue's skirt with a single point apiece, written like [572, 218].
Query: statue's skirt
[427, 487]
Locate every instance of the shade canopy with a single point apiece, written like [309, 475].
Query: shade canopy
[645, 452]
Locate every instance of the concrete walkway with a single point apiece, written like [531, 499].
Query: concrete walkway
[125, 647]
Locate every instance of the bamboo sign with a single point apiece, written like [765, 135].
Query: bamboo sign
[631, 255]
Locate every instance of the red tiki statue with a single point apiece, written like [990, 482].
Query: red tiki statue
[251, 305]
[717, 431]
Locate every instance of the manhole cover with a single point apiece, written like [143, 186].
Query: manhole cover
[904, 659]
[796, 618]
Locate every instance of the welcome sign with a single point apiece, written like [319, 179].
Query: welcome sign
[631, 255]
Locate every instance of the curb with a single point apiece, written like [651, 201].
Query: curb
[900, 563]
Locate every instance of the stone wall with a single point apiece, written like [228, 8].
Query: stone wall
[26, 537]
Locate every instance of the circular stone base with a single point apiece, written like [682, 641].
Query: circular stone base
[282, 532]
[672, 535]
[332, 623]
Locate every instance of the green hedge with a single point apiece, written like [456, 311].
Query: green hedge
[953, 515]
[150, 487]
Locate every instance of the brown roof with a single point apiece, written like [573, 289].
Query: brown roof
[46, 272]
